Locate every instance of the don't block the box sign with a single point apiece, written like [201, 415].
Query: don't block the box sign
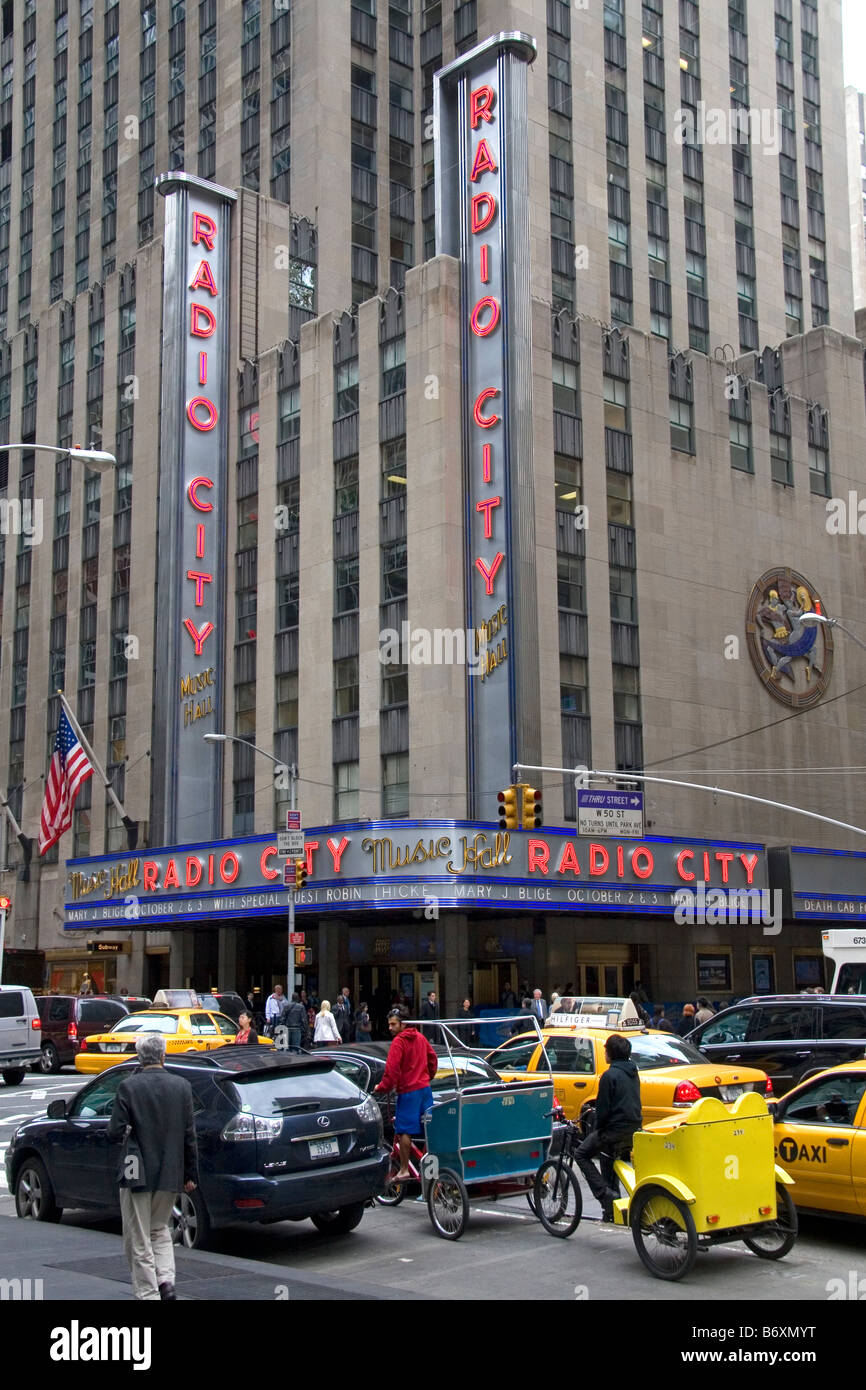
[482, 217]
[190, 637]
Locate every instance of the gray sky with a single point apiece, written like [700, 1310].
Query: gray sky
[854, 38]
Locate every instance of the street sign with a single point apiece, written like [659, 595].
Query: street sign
[290, 842]
[289, 874]
[293, 820]
[610, 813]
[297, 938]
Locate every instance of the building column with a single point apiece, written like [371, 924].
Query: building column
[181, 960]
[131, 974]
[227, 960]
[329, 958]
[452, 957]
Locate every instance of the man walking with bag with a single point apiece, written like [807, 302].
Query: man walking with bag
[153, 1113]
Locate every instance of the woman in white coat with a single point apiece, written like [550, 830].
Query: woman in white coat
[326, 1031]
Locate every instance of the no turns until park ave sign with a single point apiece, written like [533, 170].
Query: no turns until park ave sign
[610, 813]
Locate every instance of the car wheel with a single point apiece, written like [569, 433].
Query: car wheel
[773, 1239]
[190, 1224]
[13, 1078]
[49, 1061]
[34, 1195]
[339, 1223]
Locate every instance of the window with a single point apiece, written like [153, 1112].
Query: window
[248, 523]
[570, 583]
[626, 693]
[845, 1022]
[394, 571]
[568, 477]
[249, 432]
[346, 586]
[346, 800]
[741, 445]
[566, 386]
[615, 403]
[623, 600]
[245, 709]
[287, 701]
[395, 685]
[287, 602]
[696, 273]
[819, 471]
[783, 1023]
[780, 459]
[573, 693]
[289, 414]
[302, 284]
[619, 498]
[617, 240]
[393, 355]
[346, 388]
[346, 486]
[681, 417]
[395, 784]
[833, 1100]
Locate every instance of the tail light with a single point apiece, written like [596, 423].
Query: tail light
[72, 1032]
[36, 1023]
[686, 1093]
[82, 1046]
[246, 1126]
[768, 1089]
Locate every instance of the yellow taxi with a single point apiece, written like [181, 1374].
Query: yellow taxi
[184, 1030]
[819, 1130]
[673, 1074]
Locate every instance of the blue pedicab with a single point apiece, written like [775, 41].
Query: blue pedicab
[483, 1142]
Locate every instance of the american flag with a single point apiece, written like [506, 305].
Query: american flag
[70, 766]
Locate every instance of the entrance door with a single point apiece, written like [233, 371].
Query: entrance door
[605, 970]
[490, 979]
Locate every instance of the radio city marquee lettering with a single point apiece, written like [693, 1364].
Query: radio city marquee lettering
[384, 866]
[191, 636]
[482, 175]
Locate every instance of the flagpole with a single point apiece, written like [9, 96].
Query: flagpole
[24, 840]
[131, 825]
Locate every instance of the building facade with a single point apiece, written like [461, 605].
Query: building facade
[696, 381]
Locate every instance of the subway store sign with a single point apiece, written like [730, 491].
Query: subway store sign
[385, 865]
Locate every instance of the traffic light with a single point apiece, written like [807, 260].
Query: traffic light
[508, 816]
[532, 814]
[300, 873]
[303, 955]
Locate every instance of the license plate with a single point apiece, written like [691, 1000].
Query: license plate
[731, 1092]
[324, 1148]
[112, 1047]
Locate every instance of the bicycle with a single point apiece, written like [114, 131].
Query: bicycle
[396, 1191]
[557, 1199]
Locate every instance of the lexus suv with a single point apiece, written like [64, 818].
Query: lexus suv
[279, 1139]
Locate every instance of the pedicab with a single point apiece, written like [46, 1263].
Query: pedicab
[483, 1142]
[703, 1179]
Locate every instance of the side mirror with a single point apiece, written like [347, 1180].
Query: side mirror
[57, 1110]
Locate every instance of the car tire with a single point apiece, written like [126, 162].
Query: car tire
[49, 1061]
[339, 1223]
[14, 1077]
[190, 1224]
[34, 1195]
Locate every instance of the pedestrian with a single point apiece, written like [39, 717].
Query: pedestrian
[153, 1113]
[663, 1024]
[618, 1115]
[639, 1008]
[539, 1006]
[687, 1020]
[524, 1018]
[326, 1032]
[294, 1020]
[509, 998]
[430, 1010]
[343, 1014]
[555, 1002]
[124, 992]
[246, 1032]
[704, 1012]
[363, 1025]
[86, 985]
[410, 1068]
[469, 1032]
[273, 1009]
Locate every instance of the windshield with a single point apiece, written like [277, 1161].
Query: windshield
[663, 1050]
[146, 1023]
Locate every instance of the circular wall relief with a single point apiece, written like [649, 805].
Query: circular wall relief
[792, 658]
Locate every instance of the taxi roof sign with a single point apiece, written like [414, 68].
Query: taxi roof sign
[594, 1011]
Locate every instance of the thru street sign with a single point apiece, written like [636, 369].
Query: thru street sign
[290, 842]
[610, 813]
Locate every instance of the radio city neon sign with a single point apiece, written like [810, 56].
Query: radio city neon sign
[202, 414]
[486, 316]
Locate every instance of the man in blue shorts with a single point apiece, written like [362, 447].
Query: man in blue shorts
[410, 1068]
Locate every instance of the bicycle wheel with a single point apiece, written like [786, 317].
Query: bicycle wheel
[394, 1191]
[664, 1233]
[448, 1205]
[773, 1239]
[558, 1200]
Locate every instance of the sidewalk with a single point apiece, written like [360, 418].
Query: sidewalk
[88, 1266]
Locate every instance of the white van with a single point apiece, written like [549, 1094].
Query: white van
[20, 1032]
[846, 949]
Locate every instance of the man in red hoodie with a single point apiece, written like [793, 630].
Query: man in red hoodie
[410, 1068]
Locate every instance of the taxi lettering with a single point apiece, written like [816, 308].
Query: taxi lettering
[791, 1152]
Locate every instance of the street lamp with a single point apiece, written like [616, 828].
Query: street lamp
[293, 782]
[97, 459]
[810, 619]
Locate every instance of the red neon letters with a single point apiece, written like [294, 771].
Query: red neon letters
[202, 414]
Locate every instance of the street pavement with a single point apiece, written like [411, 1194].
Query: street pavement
[394, 1253]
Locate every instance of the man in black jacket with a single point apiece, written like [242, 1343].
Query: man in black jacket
[294, 1019]
[153, 1113]
[618, 1115]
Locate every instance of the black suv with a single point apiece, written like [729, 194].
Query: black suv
[279, 1139]
[66, 1019]
[789, 1036]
